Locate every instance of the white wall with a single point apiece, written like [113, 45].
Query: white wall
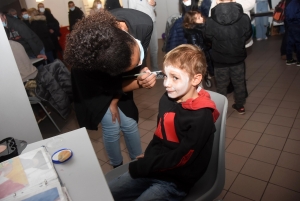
[16, 116]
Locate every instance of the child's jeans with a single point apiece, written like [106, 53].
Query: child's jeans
[237, 75]
[261, 23]
[142, 189]
[293, 40]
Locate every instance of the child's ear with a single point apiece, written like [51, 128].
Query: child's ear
[196, 80]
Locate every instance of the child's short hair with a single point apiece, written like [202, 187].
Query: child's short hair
[187, 57]
[189, 19]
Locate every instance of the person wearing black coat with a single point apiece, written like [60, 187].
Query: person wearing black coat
[112, 4]
[38, 24]
[75, 14]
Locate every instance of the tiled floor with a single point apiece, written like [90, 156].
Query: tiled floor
[262, 146]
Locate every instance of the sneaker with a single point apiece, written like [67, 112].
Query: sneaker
[290, 62]
[240, 110]
[266, 38]
[259, 39]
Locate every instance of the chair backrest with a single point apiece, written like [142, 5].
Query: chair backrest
[211, 184]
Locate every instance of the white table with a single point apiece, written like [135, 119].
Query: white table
[82, 174]
[35, 60]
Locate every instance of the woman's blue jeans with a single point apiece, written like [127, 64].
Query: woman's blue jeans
[126, 188]
[261, 23]
[111, 137]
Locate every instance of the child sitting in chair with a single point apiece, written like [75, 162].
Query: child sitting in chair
[180, 151]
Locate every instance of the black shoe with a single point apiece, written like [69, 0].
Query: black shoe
[240, 110]
[115, 166]
[290, 62]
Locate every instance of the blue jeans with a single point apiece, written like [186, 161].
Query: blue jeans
[142, 189]
[111, 137]
[261, 23]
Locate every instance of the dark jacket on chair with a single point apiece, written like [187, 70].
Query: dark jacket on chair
[54, 86]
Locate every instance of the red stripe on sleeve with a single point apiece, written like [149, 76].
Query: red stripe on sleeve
[185, 158]
[170, 127]
[158, 130]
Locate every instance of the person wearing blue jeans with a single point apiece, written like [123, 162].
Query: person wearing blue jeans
[98, 84]
[111, 137]
[261, 23]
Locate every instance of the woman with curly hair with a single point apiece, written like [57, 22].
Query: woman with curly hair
[99, 52]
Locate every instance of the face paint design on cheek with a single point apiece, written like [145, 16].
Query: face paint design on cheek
[176, 81]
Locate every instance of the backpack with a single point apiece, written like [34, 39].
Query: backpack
[279, 14]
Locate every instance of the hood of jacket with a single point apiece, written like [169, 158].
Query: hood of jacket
[38, 17]
[202, 101]
[227, 13]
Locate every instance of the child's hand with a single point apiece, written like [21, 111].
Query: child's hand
[140, 156]
[146, 79]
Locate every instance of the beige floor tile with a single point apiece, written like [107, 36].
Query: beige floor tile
[270, 102]
[234, 162]
[282, 121]
[101, 162]
[296, 124]
[147, 113]
[143, 132]
[272, 141]
[101, 155]
[229, 178]
[254, 100]
[286, 112]
[95, 135]
[257, 94]
[106, 168]
[292, 97]
[265, 154]
[266, 109]
[234, 197]
[266, 84]
[277, 193]
[153, 117]
[292, 146]
[250, 106]
[290, 161]
[258, 169]
[289, 105]
[141, 120]
[295, 134]
[262, 89]
[255, 126]
[126, 157]
[275, 96]
[261, 117]
[277, 90]
[240, 148]
[248, 136]
[286, 178]
[298, 115]
[148, 125]
[227, 142]
[97, 145]
[280, 131]
[235, 122]
[221, 196]
[147, 138]
[248, 187]
[231, 132]
[247, 115]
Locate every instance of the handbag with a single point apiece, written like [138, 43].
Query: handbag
[10, 147]
[278, 14]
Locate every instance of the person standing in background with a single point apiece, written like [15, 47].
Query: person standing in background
[75, 14]
[25, 16]
[148, 7]
[261, 23]
[12, 12]
[112, 4]
[97, 5]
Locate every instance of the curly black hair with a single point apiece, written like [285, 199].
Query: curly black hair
[97, 44]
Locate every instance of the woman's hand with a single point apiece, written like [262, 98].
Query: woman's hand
[113, 107]
[140, 156]
[147, 79]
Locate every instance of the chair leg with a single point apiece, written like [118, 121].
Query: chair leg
[49, 116]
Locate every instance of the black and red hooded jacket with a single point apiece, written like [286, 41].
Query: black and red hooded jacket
[182, 143]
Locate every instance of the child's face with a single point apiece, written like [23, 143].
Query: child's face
[176, 81]
[198, 19]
